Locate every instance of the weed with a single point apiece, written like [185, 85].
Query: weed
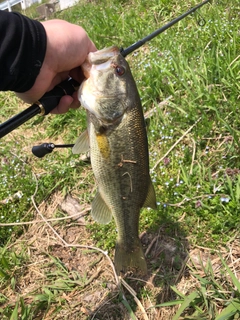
[210, 296]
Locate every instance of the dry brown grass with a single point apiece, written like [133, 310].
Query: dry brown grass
[96, 296]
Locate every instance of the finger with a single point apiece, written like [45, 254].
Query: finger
[92, 47]
[64, 105]
[75, 104]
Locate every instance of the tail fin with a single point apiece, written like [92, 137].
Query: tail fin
[130, 260]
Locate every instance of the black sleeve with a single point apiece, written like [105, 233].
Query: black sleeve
[22, 51]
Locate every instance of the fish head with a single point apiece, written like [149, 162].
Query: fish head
[106, 92]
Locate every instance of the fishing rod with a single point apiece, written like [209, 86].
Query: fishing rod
[141, 42]
[51, 99]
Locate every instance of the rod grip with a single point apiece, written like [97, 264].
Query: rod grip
[44, 105]
[51, 99]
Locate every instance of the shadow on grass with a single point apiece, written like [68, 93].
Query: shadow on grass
[166, 251]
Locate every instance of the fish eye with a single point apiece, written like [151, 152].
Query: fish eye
[119, 70]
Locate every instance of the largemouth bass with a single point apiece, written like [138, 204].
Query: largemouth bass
[117, 139]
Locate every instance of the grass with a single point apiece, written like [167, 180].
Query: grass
[210, 296]
[195, 167]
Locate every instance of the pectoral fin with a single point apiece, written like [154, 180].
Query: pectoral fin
[82, 144]
[150, 201]
[100, 211]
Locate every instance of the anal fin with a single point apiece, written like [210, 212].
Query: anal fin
[100, 211]
[150, 201]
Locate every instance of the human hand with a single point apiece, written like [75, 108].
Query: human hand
[67, 48]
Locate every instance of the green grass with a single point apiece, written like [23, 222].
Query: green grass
[209, 297]
[197, 183]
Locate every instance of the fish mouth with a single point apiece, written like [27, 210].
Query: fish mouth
[101, 56]
[90, 97]
[100, 59]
